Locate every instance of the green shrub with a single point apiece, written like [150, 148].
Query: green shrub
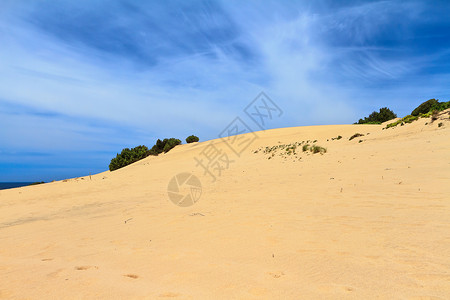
[434, 115]
[317, 149]
[128, 156]
[410, 119]
[37, 182]
[158, 147]
[407, 119]
[440, 106]
[171, 143]
[440, 124]
[429, 108]
[385, 114]
[164, 146]
[424, 107]
[355, 135]
[192, 139]
[305, 147]
[427, 115]
[394, 124]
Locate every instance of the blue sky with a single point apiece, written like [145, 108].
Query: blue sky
[80, 80]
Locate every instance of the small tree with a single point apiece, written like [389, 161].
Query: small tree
[192, 139]
[424, 107]
[158, 147]
[128, 156]
[171, 143]
[440, 106]
[385, 114]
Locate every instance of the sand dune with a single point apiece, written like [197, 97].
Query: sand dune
[365, 220]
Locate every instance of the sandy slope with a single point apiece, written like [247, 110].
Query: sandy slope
[365, 220]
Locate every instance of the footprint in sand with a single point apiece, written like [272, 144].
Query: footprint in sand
[82, 268]
[258, 291]
[276, 274]
[426, 298]
[169, 295]
[54, 273]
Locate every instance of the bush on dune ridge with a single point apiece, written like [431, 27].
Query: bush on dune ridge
[170, 144]
[427, 109]
[440, 106]
[129, 156]
[430, 106]
[385, 114]
[192, 139]
[164, 146]
[36, 183]
[407, 119]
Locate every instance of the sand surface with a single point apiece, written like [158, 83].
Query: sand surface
[366, 220]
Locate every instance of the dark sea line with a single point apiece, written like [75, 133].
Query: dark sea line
[10, 185]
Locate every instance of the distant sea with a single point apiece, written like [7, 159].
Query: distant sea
[10, 185]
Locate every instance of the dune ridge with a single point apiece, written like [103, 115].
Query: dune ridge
[364, 220]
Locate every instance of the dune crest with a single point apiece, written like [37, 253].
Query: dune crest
[367, 219]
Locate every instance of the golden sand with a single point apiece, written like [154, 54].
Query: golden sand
[366, 220]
